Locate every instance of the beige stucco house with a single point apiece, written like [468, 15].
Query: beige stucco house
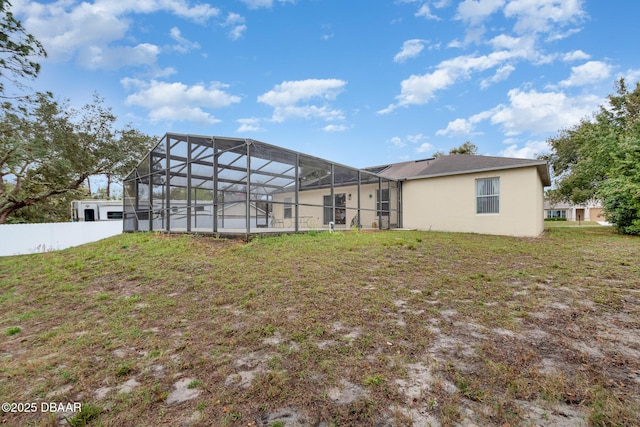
[591, 211]
[197, 183]
[478, 194]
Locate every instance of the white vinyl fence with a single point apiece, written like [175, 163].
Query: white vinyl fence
[18, 239]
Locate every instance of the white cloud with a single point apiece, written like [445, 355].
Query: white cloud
[257, 4]
[335, 128]
[524, 45]
[292, 92]
[234, 18]
[529, 111]
[177, 101]
[425, 12]
[501, 74]
[631, 77]
[96, 57]
[237, 32]
[69, 29]
[164, 72]
[249, 125]
[464, 65]
[543, 15]
[282, 113]
[465, 127]
[458, 127]
[420, 89]
[238, 27]
[530, 150]
[541, 112]
[442, 3]
[476, 11]
[184, 45]
[263, 4]
[286, 98]
[416, 138]
[590, 72]
[425, 147]
[559, 35]
[397, 142]
[576, 55]
[410, 49]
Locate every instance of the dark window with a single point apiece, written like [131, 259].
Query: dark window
[557, 214]
[114, 215]
[89, 215]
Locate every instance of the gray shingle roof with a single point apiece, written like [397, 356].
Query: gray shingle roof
[456, 164]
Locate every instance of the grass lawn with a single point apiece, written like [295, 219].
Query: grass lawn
[349, 329]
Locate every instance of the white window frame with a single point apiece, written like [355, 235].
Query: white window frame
[488, 196]
[557, 213]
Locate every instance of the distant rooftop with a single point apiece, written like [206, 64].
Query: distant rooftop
[456, 164]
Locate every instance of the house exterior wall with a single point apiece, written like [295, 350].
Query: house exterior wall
[449, 204]
[591, 211]
[311, 211]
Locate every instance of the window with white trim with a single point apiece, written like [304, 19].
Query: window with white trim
[488, 196]
[557, 213]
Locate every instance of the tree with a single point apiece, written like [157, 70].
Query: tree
[95, 130]
[621, 192]
[48, 150]
[599, 159]
[466, 148]
[138, 145]
[17, 49]
[52, 209]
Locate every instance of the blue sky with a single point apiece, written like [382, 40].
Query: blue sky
[358, 82]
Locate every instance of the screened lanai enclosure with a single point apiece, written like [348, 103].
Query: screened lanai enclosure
[203, 184]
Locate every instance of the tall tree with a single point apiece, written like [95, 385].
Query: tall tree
[17, 49]
[47, 150]
[599, 159]
[466, 148]
[138, 145]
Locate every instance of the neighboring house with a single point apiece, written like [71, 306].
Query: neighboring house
[96, 210]
[186, 180]
[468, 193]
[591, 211]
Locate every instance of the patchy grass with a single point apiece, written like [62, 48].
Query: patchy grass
[358, 328]
[13, 330]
